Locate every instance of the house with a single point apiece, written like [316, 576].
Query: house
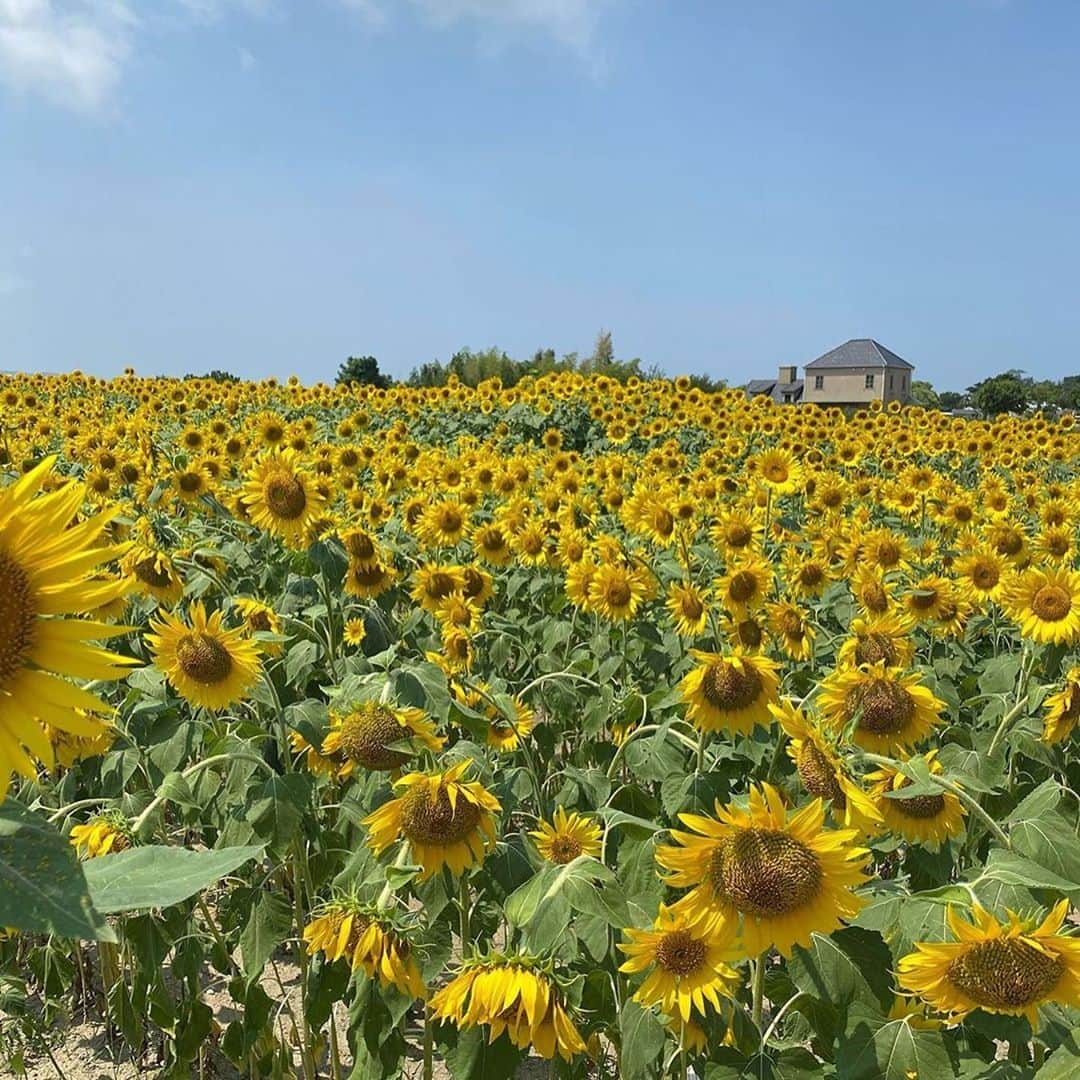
[855, 373]
[784, 390]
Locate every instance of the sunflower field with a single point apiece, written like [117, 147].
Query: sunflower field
[576, 729]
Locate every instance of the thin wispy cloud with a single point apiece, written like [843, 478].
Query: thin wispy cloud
[74, 53]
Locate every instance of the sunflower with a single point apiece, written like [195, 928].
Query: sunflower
[432, 584]
[1045, 604]
[793, 632]
[1062, 709]
[885, 639]
[260, 618]
[890, 710]
[783, 878]
[1010, 968]
[313, 760]
[928, 598]
[778, 470]
[927, 820]
[205, 663]
[823, 772]
[505, 733]
[736, 531]
[688, 607]
[153, 572]
[283, 498]
[446, 821]
[491, 543]
[367, 581]
[745, 587]
[367, 737]
[688, 962]
[106, 834]
[729, 692]
[510, 993]
[354, 631]
[616, 592]
[981, 573]
[70, 748]
[567, 836]
[368, 939]
[46, 565]
[443, 523]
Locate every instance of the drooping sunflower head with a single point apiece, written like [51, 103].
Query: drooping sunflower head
[929, 818]
[885, 708]
[1062, 709]
[368, 735]
[1045, 604]
[260, 618]
[446, 820]
[206, 663]
[567, 836]
[729, 692]
[1010, 968]
[511, 993]
[105, 834]
[781, 877]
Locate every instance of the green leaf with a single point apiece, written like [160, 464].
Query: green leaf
[643, 1039]
[43, 888]
[157, 876]
[1013, 869]
[267, 927]
[279, 808]
[474, 1058]
[851, 965]
[879, 1049]
[1050, 841]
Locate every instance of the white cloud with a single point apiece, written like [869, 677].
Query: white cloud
[70, 51]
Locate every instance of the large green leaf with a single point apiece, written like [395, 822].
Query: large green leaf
[267, 927]
[42, 885]
[642, 1042]
[1014, 869]
[157, 876]
[879, 1049]
[848, 966]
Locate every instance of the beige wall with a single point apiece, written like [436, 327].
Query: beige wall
[847, 386]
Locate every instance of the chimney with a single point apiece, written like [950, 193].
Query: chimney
[788, 374]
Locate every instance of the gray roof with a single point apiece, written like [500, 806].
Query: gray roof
[859, 353]
[775, 389]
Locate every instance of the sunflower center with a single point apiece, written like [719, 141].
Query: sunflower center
[765, 872]
[450, 521]
[565, 849]
[874, 648]
[776, 472]
[1005, 973]
[1051, 603]
[985, 576]
[790, 623]
[818, 774]
[148, 572]
[361, 546]
[17, 617]
[366, 733]
[739, 536]
[617, 594]
[887, 708]
[190, 482]
[259, 620]
[1010, 542]
[691, 606]
[679, 953]
[284, 495]
[922, 807]
[888, 554]
[743, 586]
[441, 585]
[810, 575]
[729, 688]
[427, 822]
[875, 597]
[924, 599]
[749, 634]
[204, 659]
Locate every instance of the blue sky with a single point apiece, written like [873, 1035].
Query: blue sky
[270, 185]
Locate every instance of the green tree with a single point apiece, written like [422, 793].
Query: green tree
[952, 399]
[922, 393]
[363, 370]
[1006, 392]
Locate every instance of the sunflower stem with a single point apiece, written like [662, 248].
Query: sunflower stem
[429, 1042]
[463, 904]
[757, 989]
[1018, 707]
[703, 738]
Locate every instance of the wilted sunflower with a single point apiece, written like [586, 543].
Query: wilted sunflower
[45, 573]
[368, 939]
[205, 663]
[512, 994]
[1062, 709]
[927, 820]
[781, 877]
[282, 497]
[729, 692]
[365, 737]
[567, 836]
[687, 963]
[891, 710]
[446, 821]
[823, 773]
[1004, 968]
[1045, 604]
[688, 607]
[105, 834]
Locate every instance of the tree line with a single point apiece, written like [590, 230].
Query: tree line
[1009, 392]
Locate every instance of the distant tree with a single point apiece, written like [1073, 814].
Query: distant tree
[432, 373]
[1006, 392]
[217, 375]
[604, 352]
[951, 400]
[363, 370]
[922, 393]
[708, 384]
[1070, 392]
